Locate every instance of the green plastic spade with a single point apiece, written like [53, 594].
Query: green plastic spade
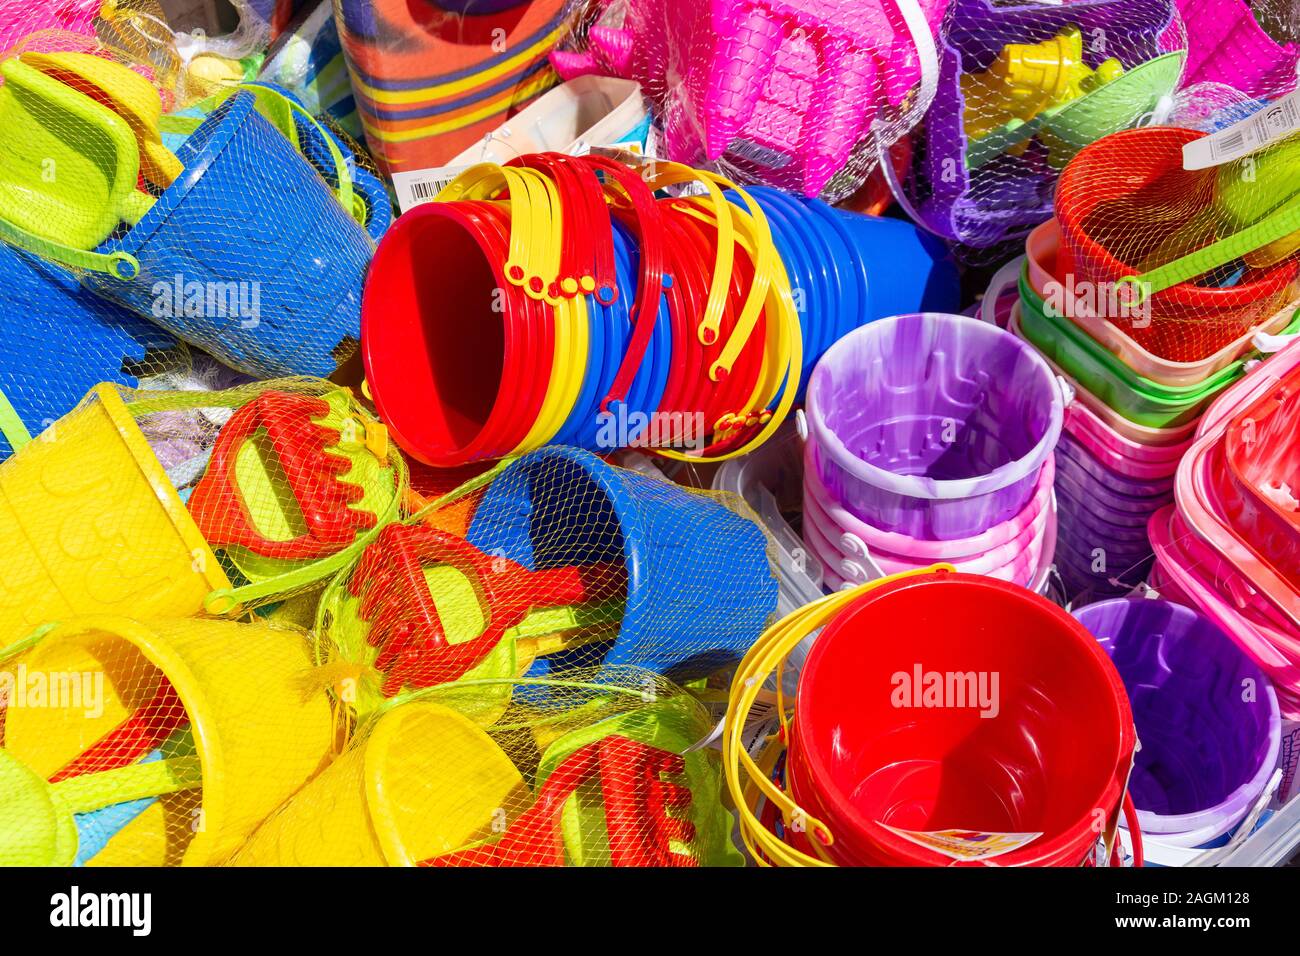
[38, 826]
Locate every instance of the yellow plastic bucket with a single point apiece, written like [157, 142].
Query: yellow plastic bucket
[90, 524]
[259, 728]
[424, 781]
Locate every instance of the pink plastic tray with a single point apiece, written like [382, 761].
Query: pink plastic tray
[1200, 490]
[1206, 581]
[1262, 448]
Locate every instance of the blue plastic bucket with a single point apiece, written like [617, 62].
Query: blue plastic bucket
[700, 589]
[611, 327]
[248, 255]
[810, 278]
[908, 270]
[365, 184]
[61, 341]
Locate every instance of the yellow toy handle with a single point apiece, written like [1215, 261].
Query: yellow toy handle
[783, 354]
[767, 656]
[536, 227]
[658, 174]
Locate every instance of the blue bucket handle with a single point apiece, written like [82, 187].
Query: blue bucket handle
[344, 191]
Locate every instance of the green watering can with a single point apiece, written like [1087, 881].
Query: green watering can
[68, 172]
[37, 822]
[126, 93]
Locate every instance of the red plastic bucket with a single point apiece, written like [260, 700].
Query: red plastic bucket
[1118, 201]
[866, 753]
[455, 375]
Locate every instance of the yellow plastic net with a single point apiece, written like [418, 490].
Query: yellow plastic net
[135, 216]
[518, 641]
[550, 564]
[153, 742]
[591, 770]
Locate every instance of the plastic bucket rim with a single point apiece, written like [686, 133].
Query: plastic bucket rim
[914, 486]
[505, 397]
[896, 847]
[1272, 279]
[1211, 822]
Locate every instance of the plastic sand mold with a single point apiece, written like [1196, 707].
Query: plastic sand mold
[240, 770]
[126, 93]
[423, 607]
[66, 216]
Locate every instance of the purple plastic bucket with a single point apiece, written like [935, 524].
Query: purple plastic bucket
[932, 425]
[1114, 503]
[1206, 714]
[1099, 509]
[1073, 458]
[1080, 514]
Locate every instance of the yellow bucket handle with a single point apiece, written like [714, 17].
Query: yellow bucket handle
[767, 656]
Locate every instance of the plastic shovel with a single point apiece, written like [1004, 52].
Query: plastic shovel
[68, 172]
[1113, 104]
[126, 93]
[47, 835]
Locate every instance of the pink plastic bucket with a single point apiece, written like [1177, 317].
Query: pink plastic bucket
[926, 549]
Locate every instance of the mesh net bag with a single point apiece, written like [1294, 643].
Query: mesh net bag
[63, 338]
[1186, 260]
[244, 232]
[286, 480]
[600, 773]
[174, 503]
[154, 742]
[551, 564]
[431, 80]
[801, 94]
[1021, 88]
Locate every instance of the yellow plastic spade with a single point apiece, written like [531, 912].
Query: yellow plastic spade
[126, 93]
[68, 170]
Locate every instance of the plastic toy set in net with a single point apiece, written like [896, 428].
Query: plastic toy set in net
[536, 433]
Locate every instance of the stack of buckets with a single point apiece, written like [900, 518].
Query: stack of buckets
[1209, 748]
[1230, 543]
[1140, 381]
[466, 364]
[930, 437]
[869, 760]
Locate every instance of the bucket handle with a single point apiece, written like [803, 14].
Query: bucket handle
[765, 657]
[344, 191]
[1268, 230]
[11, 425]
[1134, 828]
[1004, 278]
[118, 264]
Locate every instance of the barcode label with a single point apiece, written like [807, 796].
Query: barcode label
[1270, 124]
[422, 185]
[758, 154]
